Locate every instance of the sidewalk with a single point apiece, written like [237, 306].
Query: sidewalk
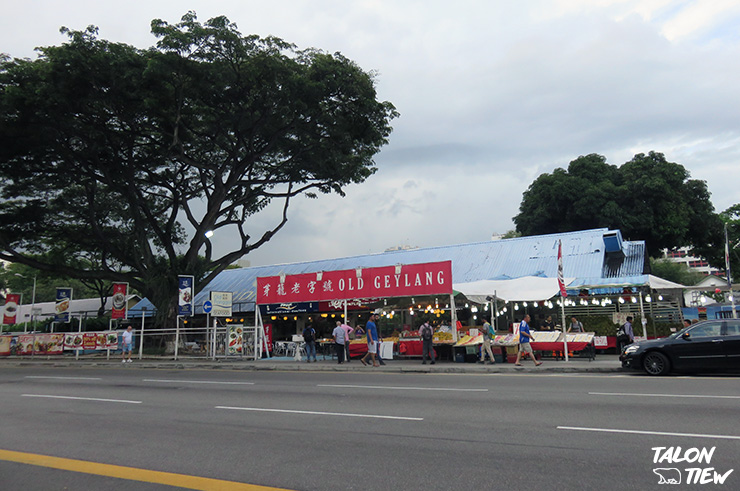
[602, 364]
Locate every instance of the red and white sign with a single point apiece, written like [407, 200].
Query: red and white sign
[120, 294]
[387, 281]
[12, 305]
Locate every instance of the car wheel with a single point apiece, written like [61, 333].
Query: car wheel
[656, 363]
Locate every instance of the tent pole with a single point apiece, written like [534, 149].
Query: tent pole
[453, 317]
[642, 317]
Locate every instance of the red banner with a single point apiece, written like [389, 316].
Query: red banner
[388, 281]
[12, 306]
[120, 293]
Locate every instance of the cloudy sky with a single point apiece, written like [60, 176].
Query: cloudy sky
[491, 94]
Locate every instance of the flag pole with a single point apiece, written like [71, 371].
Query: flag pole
[563, 295]
[729, 275]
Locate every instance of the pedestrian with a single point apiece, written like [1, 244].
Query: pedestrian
[127, 341]
[349, 334]
[625, 335]
[372, 341]
[340, 335]
[548, 324]
[427, 336]
[686, 323]
[487, 332]
[575, 325]
[524, 338]
[309, 336]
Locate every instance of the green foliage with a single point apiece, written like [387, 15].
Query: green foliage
[647, 198]
[676, 272]
[108, 152]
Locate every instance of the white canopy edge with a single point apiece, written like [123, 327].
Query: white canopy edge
[654, 282]
[524, 289]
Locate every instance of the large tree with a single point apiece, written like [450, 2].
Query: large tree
[647, 198]
[124, 158]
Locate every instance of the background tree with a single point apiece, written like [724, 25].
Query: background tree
[128, 157]
[676, 272]
[647, 198]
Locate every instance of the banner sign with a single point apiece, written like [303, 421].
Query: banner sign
[221, 304]
[44, 344]
[388, 281]
[236, 340]
[120, 306]
[91, 340]
[289, 308]
[12, 303]
[185, 302]
[64, 297]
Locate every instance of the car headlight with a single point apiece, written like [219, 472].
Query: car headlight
[631, 349]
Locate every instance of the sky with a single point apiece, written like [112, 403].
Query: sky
[490, 96]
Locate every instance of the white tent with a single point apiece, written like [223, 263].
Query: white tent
[526, 288]
[654, 282]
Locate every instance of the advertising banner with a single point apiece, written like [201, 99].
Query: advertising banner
[12, 306]
[268, 336]
[119, 310]
[186, 294]
[40, 344]
[222, 303]
[64, 297]
[388, 281]
[236, 340]
[5, 345]
[89, 340]
[73, 341]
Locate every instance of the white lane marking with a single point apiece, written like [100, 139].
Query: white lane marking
[81, 398]
[195, 382]
[64, 378]
[399, 388]
[694, 396]
[640, 432]
[322, 413]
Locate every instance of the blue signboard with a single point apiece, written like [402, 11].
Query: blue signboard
[185, 297]
[64, 297]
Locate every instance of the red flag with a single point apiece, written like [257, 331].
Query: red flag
[561, 282]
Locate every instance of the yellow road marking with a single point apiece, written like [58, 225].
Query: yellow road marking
[129, 473]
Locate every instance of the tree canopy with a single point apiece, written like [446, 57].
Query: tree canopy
[647, 198]
[116, 161]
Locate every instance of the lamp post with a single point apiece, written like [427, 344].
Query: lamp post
[33, 300]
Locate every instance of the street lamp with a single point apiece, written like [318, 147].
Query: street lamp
[33, 301]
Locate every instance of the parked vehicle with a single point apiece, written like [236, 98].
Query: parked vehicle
[712, 345]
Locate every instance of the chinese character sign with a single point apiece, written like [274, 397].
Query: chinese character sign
[64, 297]
[185, 302]
[383, 282]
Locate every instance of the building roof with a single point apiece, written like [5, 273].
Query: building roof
[584, 256]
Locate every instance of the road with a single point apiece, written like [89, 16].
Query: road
[369, 431]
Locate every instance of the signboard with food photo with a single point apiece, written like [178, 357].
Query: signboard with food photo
[185, 297]
[64, 296]
[12, 303]
[5, 345]
[73, 340]
[236, 340]
[119, 308]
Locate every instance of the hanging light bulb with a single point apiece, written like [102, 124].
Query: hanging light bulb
[595, 301]
[648, 298]
[524, 304]
[660, 297]
[621, 299]
[536, 305]
[634, 299]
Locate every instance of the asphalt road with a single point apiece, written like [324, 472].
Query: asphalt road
[369, 431]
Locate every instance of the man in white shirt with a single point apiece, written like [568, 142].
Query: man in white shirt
[340, 336]
[127, 344]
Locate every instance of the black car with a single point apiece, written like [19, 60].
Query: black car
[712, 345]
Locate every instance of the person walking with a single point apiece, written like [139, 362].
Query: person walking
[349, 334]
[487, 332]
[340, 335]
[625, 335]
[127, 341]
[427, 349]
[575, 325]
[524, 338]
[372, 341]
[309, 336]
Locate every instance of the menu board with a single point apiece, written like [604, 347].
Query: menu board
[236, 340]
